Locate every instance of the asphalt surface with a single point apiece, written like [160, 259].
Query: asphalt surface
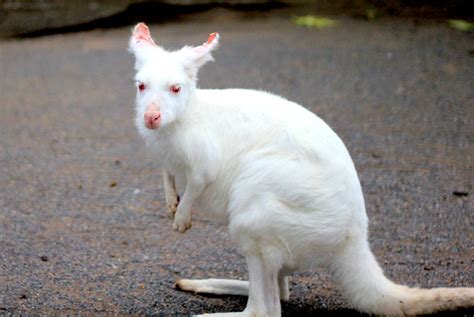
[83, 228]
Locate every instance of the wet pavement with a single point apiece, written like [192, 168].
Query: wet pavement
[83, 228]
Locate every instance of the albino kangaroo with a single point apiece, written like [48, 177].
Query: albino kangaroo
[276, 174]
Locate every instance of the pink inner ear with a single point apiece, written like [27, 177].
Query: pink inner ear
[141, 34]
[211, 38]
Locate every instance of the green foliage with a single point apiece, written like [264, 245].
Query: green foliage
[313, 21]
[461, 25]
[371, 14]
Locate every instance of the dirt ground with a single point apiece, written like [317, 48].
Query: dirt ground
[83, 229]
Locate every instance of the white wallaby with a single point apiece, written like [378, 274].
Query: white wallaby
[280, 178]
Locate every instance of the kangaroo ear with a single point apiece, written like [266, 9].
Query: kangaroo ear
[141, 37]
[202, 53]
[141, 44]
[197, 56]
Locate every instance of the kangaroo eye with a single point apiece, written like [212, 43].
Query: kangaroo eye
[141, 87]
[175, 89]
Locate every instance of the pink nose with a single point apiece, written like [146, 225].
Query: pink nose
[152, 119]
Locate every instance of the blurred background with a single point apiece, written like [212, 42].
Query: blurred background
[83, 226]
[20, 17]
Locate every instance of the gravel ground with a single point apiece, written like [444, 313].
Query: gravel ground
[82, 221]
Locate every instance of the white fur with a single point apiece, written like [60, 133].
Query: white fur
[280, 178]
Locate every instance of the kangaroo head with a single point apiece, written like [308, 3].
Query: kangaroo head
[165, 80]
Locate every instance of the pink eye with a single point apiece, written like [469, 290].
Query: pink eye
[175, 89]
[141, 87]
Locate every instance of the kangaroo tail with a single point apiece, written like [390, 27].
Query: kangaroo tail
[366, 288]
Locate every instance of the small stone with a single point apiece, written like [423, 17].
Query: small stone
[44, 258]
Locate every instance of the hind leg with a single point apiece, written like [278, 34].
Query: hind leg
[228, 287]
[264, 294]
[215, 286]
[263, 289]
[258, 238]
[283, 287]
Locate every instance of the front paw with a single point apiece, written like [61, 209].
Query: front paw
[172, 204]
[181, 222]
